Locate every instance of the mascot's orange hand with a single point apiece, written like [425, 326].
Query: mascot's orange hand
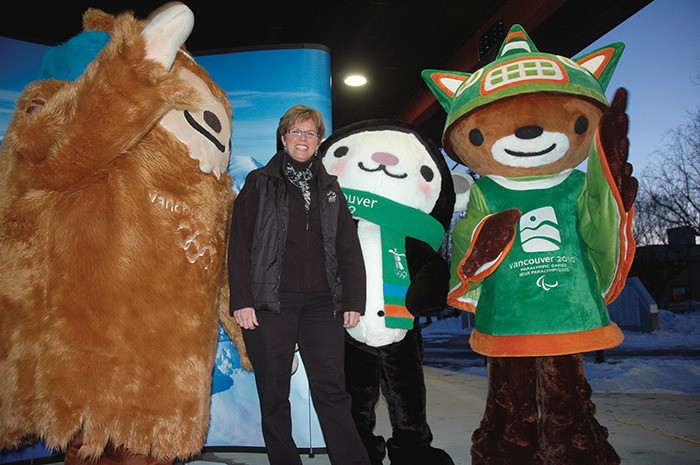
[614, 126]
[494, 237]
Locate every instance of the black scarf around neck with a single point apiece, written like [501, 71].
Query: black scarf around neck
[300, 178]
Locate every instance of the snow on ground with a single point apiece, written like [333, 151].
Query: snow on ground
[674, 372]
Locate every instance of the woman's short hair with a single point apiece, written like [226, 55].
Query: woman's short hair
[301, 113]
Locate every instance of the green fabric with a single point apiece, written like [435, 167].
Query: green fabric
[535, 290]
[396, 222]
[521, 68]
[600, 220]
[462, 237]
[553, 287]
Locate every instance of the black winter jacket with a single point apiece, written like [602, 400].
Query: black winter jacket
[260, 232]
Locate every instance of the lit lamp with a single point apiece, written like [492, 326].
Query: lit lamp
[355, 80]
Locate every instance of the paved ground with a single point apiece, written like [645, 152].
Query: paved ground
[644, 429]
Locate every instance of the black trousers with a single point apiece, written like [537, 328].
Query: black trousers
[306, 320]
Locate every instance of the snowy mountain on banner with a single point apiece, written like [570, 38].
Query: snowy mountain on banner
[239, 167]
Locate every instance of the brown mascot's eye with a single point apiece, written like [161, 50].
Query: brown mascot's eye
[212, 121]
[427, 173]
[340, 151]
[581, 125]
[476, 137]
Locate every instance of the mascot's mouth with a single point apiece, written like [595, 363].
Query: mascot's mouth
[382, 168]
[530, 154]
[200, 129]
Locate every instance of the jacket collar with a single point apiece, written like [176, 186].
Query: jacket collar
[274, 169]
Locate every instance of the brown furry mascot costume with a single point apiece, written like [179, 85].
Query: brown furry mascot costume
[114, 208]
[544, 246]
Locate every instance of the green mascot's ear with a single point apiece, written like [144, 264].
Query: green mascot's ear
[602, 62]
[444, 84]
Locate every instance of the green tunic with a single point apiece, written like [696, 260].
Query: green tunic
[547, 266]
[547, 296]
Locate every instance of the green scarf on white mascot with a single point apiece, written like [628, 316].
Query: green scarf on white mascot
[402, 194]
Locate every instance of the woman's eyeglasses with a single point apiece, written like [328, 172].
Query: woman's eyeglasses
[298, 133]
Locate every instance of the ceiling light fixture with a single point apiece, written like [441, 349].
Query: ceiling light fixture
[355, 80]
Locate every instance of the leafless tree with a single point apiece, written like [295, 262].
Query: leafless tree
[669, 188]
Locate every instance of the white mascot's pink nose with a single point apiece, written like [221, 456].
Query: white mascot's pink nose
[385, 158]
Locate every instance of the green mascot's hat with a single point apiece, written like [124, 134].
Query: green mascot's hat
[519, 69]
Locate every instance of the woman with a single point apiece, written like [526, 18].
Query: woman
[293, 242]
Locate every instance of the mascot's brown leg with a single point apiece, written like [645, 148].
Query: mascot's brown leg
[508, 431]
[111, 456]
[569, 431]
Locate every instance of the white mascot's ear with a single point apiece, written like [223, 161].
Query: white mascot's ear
[463, 183]
[167, 29]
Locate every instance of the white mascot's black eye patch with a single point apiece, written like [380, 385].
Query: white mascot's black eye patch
[341, 151]
[427, 173]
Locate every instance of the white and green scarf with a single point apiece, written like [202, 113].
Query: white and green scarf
[396, 222]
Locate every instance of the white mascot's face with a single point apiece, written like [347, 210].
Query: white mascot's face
[206, 132]
[390, 163]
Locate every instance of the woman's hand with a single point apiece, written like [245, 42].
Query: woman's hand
[350, 319]
[246, 318]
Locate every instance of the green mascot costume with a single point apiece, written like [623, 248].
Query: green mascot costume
[544, 246]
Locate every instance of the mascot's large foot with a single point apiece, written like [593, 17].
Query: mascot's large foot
[417, 455]
[111, 456]
[376, 448]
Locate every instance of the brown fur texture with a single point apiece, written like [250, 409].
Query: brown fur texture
[113, 245]
[539, 409]
[553, 112]
[547, 417]
[613, 133]
[496, 233]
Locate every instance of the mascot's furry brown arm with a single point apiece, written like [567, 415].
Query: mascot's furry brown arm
[114, 209]
[544, 246]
